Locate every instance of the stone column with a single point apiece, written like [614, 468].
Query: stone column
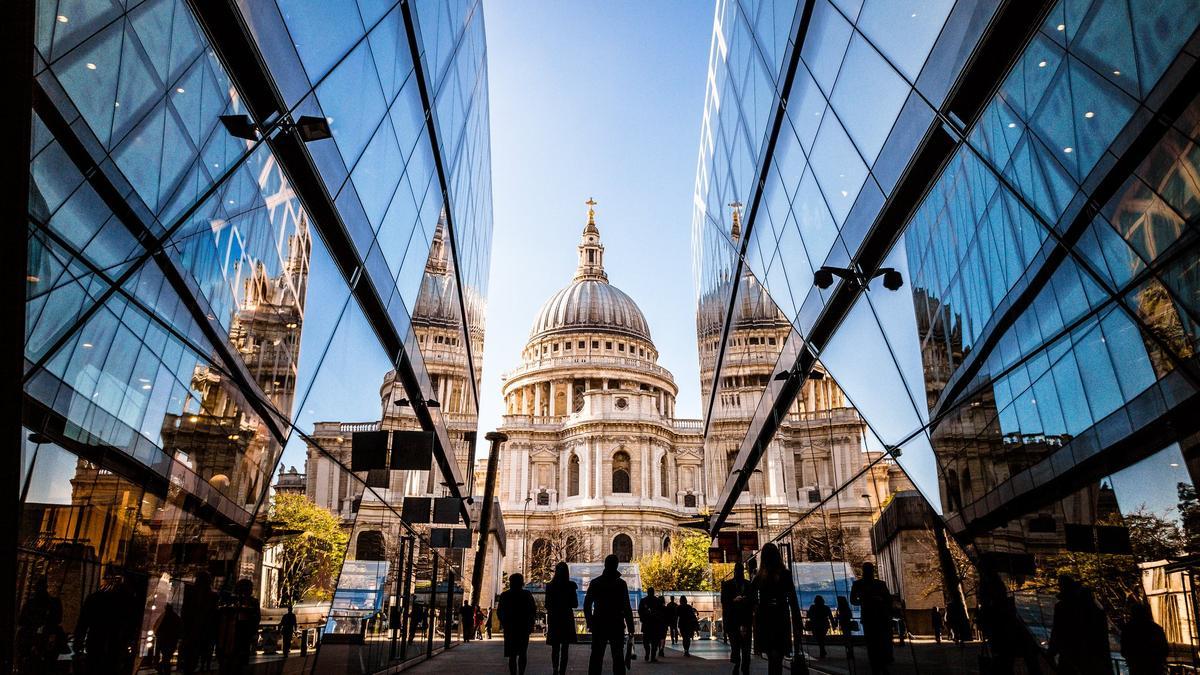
[550, 392]
[537, 399]
[645, 480]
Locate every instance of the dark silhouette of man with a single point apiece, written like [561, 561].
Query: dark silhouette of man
[873, 596]
[820, 620]
[737, 615]
[608, 613]
[938, 624]
[237, 628]
[673, 620]
[466, 616]
[287, 628]
[107, 628]
[199, 618]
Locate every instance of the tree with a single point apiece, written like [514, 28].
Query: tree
[560, 544]
[310, 560]
[684, 568]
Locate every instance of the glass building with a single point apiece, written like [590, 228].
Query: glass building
[1030, 169]
[232, 213]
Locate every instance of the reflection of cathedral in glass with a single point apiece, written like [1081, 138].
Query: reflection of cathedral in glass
[437, 328]
[820, 445]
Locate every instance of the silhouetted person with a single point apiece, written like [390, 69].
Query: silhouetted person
[487, 622]
[237, 628]
[166, 638]
[737, 616]
[479, 617]
[517, 611]
[999, 624]
[938, 624]
[649, 615]
[607, 612]
[872, 595]
[40, 636]
[416, 615]
[199, 618]
[1143, 643]
[1079, 637]
[673, 619]
[107, 628]
[287, 628]
[777, 610]
[466, 620]
[562, 598]
[820, 620]
[689, 624]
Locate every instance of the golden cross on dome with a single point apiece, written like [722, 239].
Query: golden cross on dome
[591, 204]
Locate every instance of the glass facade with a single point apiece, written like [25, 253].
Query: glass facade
[1030, 170]
[198, 301]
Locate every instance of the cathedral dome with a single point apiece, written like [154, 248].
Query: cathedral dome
[591, 304]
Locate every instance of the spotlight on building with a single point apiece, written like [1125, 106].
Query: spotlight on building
[891, 279]
[823, 278]
[857, 278]
[311, 128]
[428, 403]
[240, 126]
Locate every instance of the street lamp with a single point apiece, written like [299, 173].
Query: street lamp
[525, 532]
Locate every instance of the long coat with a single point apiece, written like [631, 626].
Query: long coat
[517, 611]
[777, 606]
[561, 601]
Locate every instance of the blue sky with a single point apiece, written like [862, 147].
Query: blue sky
[600, 100]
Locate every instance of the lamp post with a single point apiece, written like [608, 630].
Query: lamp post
[525, 533]
[485, 516]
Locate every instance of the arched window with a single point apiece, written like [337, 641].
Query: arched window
[543, 498]
[622, 547]
[666, 544]
[573, 475]
[369, 546]
[620, 473]
[573, 551]
[663, 478]
[689, 500]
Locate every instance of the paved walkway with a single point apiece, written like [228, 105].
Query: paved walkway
[487, 656]
[920, 657]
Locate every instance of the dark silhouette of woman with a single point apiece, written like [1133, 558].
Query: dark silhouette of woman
[562, 598]
[517, 611]
[778, 610]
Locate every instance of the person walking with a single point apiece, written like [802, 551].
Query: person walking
[466, 620]
[562, 598]
[479, 617]
[199, 618]
[820, 620]
[872, 596]
[649, 616]
[673, 620]
[237, 629]
[106, 631]
[1144, 643]
[487, 621]
[287, 628]
[737, 617]
[778, 611]
[607, 613]
[517, 611]
[1080, 642]
[166, 638]
[939, 622]
[40, 636]
[689, 624]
